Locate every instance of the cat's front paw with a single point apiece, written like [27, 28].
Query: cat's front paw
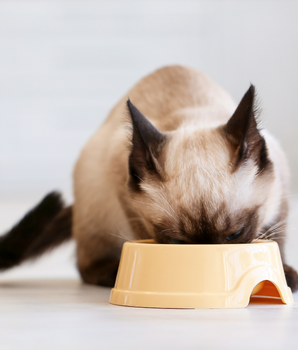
[291, 277]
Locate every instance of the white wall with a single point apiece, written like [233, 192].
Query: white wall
[63, 64]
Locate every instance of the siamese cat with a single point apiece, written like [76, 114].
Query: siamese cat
[175, 161]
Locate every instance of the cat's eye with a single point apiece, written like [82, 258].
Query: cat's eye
[177, 241]
[234, 235]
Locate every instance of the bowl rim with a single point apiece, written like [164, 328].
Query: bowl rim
[151, 243]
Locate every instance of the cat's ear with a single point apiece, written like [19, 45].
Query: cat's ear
[146, 145]
[243, 133]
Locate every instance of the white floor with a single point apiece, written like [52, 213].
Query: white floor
[44, 306]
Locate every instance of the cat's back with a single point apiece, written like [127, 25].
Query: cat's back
[170, 97]
[174, 93]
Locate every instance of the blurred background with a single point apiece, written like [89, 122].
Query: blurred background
[64, 64]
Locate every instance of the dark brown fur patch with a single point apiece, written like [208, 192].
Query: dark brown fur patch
[203, 228]
[102, 272]
[243, 134]
[291, 277]
[146, 145]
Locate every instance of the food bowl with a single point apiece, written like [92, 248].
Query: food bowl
[199, 276]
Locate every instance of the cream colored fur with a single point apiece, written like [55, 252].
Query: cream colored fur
[188, 107]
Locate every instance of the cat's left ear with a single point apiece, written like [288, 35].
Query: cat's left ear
[243, 133]
[147, 143]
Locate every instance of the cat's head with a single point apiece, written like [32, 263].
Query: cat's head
[201, 185]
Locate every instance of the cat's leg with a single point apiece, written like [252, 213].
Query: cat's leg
[280, 237]
[102, 272]
[290, 272]
[98, 259]
[291, 277]
[99, 228]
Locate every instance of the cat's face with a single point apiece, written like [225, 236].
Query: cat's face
[201, 185]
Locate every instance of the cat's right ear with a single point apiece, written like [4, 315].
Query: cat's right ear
[244, 135]
[146, 145]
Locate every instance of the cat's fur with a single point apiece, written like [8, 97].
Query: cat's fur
[176, 163]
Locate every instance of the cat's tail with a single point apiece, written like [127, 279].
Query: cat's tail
[42, 228]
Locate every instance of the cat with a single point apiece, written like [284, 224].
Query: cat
[175, 161]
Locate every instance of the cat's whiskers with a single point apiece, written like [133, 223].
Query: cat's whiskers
[289, 196]
[277, 230]
[158, 194]
[125, 224]
[279, 224]
[273, 234]
[272, 230]
[276, 226]
[128, 220]
[154, 205]
[269, 235]
[113, 234]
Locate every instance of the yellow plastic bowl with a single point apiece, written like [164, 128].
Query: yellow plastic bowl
[199, 276]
